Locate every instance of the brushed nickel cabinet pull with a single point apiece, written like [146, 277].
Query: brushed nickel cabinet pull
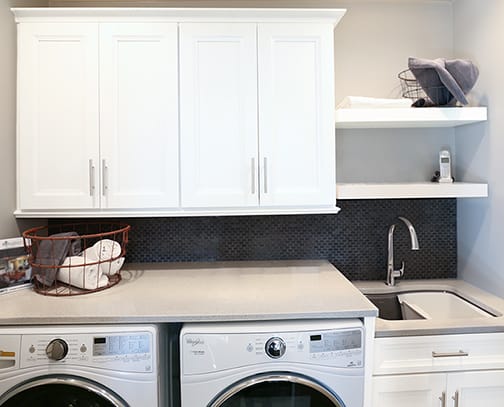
[104, 177]
[442, 398]
[91, 178]
[456, 399]
[253, 175]
[449, 354]
[265, 174]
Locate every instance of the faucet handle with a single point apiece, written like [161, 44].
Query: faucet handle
[401, 270]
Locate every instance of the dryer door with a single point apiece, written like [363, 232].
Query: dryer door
[277, 390]
[60, 391]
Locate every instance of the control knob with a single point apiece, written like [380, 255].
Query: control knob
[275, 347]
[57, 349]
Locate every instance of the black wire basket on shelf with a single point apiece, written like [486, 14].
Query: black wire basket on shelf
[421, 97]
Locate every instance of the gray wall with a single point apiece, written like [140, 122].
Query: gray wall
[8, 225]
[479, 32]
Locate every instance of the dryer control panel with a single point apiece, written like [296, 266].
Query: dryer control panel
[340, 346]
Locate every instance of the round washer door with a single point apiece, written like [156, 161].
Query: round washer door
[60, 391]
[277, 389]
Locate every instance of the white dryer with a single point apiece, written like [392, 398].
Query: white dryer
[99, 366]
[273, 364]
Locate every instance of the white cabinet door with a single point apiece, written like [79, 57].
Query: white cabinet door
[58, 143]
[139, 115]
[296, 103]
[476, 389]
[424, 390]
[218, 115]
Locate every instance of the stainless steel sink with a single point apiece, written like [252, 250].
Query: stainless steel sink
[425, 304]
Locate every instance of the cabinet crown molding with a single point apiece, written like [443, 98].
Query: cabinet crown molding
[153, 14]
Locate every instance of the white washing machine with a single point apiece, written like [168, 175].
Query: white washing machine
[98, 366]
[273, 364]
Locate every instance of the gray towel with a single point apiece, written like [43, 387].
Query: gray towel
[443, 80]
[53, 253]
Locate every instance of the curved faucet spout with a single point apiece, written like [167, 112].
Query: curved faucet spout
[413, 235]
[391, 273]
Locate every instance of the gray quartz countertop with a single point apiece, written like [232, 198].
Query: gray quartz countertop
[183, 292]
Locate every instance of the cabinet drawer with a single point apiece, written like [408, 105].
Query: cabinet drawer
[441, 353]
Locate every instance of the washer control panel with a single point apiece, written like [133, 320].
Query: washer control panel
[339, 348]
[127, 352]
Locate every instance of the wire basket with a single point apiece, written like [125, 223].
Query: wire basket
[76, 258]
[423, 97]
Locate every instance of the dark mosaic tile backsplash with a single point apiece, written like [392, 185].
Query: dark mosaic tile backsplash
[355, 240]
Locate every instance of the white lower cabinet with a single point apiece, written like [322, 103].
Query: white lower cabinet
[465, 370]
[424, 390]
[476, 389]
[464, 389]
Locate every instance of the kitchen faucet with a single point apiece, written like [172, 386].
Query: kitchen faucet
[391, 273]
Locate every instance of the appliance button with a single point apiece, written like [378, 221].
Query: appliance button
[83, 348]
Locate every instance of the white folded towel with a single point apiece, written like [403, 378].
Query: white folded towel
[76, 272]
[361, 102]
[104, 251]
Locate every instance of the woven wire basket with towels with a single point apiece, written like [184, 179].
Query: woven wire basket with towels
[77, 258]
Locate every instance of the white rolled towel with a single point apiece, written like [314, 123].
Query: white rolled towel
[76, 272]
[103, 251]
[110, 268]
[107, 249]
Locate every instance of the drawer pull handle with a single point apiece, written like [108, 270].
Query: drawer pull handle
[104, 178]
[456, 399]
[442, 398]
[265, 173]
[449, 354]
[91, 178]
[253, 175]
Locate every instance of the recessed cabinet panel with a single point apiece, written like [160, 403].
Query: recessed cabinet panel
[139, 115]
[218, 115]
[472, 389]
[296, 130]
[58, 152]
[410, 390]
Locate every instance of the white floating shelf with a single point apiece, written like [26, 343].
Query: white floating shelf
[408, 117]
[411, 190]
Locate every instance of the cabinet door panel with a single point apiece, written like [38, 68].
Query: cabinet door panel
[139, 115]
[57, 115]
[475, 389]
[218, 115]
[296, 104]
[409, 390]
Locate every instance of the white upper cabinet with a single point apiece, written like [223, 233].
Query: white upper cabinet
[139, 115]
[175, 112]
[296, 127]
[233, 76]
[218, 115]
[58, 151]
